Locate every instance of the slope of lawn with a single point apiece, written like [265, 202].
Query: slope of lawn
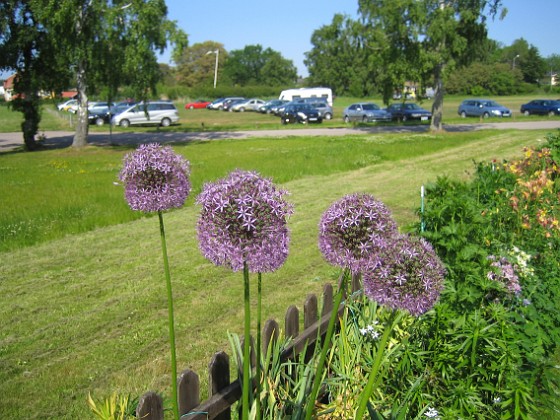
[84, 307]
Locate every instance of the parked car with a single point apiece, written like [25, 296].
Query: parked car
[482, 108]
[218, 104]
[228, 103]
[365, 112]
[541, 107]
[247, 105]
[100, 106]
[64, 106]
[199, 104]
[158, 112]
[325, 110]
[215, 103]
[267, 107]
[408, 111]
[99, 117]
[300, 113]
[279, 110]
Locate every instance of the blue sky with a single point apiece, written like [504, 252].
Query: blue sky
[286, 26]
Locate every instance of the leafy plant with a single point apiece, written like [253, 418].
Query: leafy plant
[116, 407]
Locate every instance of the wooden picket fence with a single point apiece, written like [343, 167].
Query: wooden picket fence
[223, 393]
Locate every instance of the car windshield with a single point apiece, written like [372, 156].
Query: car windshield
[411, 106]
[370, 107]
[490, 103]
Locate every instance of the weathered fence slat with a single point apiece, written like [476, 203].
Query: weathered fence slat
[219, 379]
[150, 407]
[309, 311]
[188, 390]
[270, 333]
[292, 322]
[328, 301]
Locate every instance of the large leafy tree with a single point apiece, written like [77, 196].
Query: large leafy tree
[110, 42]
[197, 63]
[341, 59]
[425, 39]
[27, 48]
[99, 42]
[255, 65]
[526, 58]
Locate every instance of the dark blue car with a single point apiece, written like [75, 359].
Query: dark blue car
[541, 107]
[408, 111]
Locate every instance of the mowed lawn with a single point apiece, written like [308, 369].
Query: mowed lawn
[85, 311]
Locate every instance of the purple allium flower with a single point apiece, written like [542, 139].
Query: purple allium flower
[505, 274]
[407, 274]
[244, 219]
[353, 229]
[155, 178]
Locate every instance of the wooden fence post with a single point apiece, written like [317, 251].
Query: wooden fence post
[292, 322]
[188, 388]
[309, 311]
[270, 334]
[218, 379]
[150, 407]
[356, 283]
[328, 296]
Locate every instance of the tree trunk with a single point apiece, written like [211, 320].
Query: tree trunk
[437, 106]
[82, 124]
[31, 119]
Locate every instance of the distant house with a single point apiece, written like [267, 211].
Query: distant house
[69, 94]
[9, 88]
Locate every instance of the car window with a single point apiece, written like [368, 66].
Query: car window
[370, 107]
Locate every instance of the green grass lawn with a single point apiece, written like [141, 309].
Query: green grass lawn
[83, 294]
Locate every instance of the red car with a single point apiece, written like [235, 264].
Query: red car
[200, 104]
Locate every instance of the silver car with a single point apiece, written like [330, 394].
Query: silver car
[150, 113]
[365, 112]
[248, 105]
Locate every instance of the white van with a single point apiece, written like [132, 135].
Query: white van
[305, 93]
[159, 113]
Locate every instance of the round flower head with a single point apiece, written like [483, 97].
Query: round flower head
[406, 275]
[244, 219]
[155, 178]
[353, 229]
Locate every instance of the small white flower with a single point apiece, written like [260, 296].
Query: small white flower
[497, 400]
[432, 413]
[370, 332]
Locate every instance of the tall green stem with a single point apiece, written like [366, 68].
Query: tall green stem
[258, 346]
[368, 390]
[246, 345]
[170, 319]
[326, 343]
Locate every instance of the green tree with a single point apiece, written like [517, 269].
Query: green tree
[110, 42]
[255, 65]
[425, 39]
[195, 66]
[27, 48]
[526, 58]
[341, 59]
[99, 42]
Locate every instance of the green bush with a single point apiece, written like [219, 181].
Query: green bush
[507, 213]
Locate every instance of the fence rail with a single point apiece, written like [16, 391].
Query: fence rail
[225, 393]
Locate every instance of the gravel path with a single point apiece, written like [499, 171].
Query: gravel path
[59, 139]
